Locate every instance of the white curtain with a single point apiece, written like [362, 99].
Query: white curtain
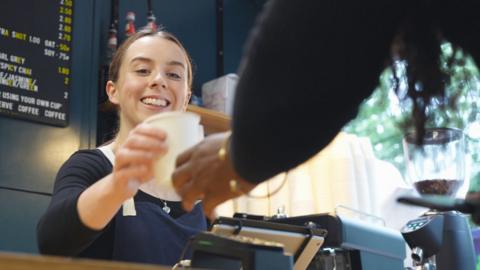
[344, 178]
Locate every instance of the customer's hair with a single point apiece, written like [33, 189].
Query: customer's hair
[419, 43]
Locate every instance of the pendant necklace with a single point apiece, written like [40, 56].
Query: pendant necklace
[165, 207]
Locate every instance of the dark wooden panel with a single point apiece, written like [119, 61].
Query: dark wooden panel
[19, 213]
[31, 153]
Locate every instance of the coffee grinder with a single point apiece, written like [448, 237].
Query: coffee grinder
[438, 239]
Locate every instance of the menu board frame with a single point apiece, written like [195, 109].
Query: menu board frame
[35, 60]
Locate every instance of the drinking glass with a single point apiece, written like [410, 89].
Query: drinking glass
[437, 167]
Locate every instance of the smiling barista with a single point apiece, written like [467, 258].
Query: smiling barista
[151, 73]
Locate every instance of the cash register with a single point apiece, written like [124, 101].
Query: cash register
[313, 242]
[353, 243]
[237, 243]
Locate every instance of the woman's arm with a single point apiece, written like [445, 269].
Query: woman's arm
[82, 205]
[134, 161]
[60, 230]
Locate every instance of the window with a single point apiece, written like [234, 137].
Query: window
[382, 114]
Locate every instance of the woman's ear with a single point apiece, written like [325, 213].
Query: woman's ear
[112, 92]
[187, 100]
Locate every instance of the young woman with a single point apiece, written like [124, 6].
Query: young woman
[150, 73]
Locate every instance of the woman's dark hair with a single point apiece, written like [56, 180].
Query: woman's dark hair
[117, 61]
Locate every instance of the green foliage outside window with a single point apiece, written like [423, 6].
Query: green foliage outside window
[381, 116]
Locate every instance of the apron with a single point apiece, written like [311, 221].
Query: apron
[153, 236]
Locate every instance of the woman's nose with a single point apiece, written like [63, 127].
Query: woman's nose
[158, 80]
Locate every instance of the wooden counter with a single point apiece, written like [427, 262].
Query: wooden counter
[20, 261]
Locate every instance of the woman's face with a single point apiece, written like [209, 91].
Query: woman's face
[152, 79]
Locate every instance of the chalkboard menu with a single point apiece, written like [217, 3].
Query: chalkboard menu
[35, 56]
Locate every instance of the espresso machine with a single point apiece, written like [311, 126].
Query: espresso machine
[439, 239]
[313, 242]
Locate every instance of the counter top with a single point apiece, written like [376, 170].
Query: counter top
[22, 261]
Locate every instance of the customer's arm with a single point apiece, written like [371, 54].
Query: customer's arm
[308, 66]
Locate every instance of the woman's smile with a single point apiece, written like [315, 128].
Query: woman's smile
[156, 101]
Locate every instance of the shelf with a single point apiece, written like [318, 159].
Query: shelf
[212, 121]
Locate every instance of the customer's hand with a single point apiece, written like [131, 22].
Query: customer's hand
[202, 174]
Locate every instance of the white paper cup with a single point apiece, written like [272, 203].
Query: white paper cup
[183, 131]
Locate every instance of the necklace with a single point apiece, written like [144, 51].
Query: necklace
[165, 207]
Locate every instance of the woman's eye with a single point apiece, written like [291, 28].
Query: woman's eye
[174, 75]
[142, 71]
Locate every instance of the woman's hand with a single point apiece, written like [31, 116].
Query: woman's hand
[202, 174]
[135, 158]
